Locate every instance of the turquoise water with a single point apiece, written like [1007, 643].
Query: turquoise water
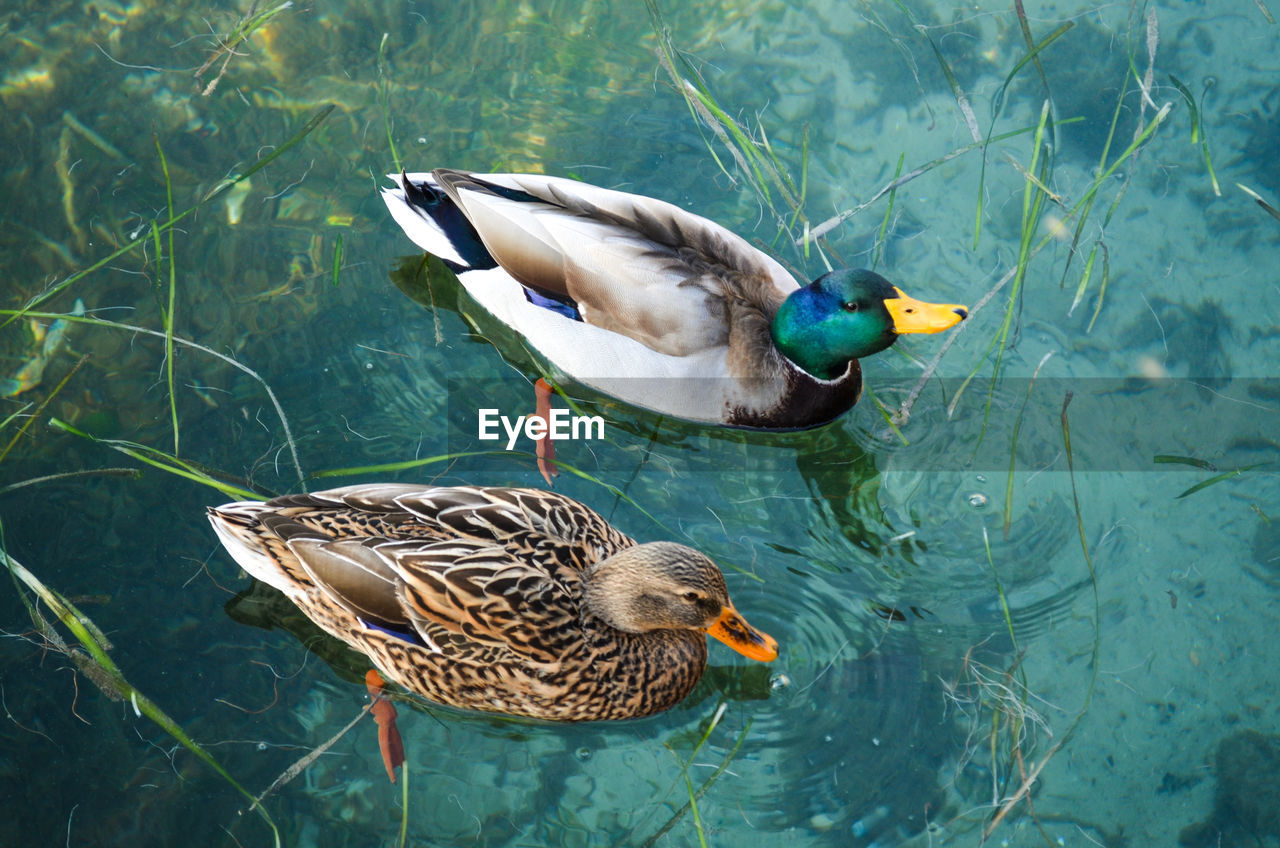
[1111, 627]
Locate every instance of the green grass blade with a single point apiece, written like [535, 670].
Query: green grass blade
[1013, 451]
[404, 803]
[1032, 205]
[997, 106]
[693, 807]
[1170, 459]
[1085, 277]
[384, 103]
[294, 140]
[1218, 478]
[888, 213]
[1102, 289]
[167, 313]
[1004, 601]
[405, 465]
[1191, 105]
[165, 462]
[133, 473]
[1258, 199]
[962, 100]
[836, 220]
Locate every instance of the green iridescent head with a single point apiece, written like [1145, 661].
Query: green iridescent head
[848, 314]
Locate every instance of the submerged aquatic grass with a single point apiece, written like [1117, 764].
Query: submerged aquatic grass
[167, 312]
[235, 363]
[227, 44]
[172, 220]
[95, 662]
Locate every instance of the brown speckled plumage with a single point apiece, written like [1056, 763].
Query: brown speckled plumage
[488, 598]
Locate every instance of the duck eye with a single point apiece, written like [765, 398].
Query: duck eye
[691, 597]
[851, 306]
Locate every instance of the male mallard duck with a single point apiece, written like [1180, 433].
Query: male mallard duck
[654, 305]
[508, 600]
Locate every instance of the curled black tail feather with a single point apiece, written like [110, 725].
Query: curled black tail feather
[430, 201]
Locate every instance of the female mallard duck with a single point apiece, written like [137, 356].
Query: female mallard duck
[654, 305]
[508, 600]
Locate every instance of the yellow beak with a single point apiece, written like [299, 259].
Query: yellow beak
[916, 316]
[732, 629]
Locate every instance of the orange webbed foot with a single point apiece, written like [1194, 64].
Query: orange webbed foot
[384, 714]
[546, 449]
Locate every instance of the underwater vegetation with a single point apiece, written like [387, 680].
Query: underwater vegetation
[1093, 91]
[1246, 804]
[1260, 127]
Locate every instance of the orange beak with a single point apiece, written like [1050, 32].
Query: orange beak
[733, 630]
[916, 316]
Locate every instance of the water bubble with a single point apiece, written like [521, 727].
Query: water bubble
[368, 366]
[583, 754]
[778, 682]
[982, 478]
[977, 500]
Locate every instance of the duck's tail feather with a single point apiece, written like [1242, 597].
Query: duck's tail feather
[264, 555]
[434, 223]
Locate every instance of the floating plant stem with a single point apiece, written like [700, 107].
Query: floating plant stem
[1169, 459]
[887, 414]
[1198, 133]
[165, 462]
[167, 313]
[337, 258]
[1102, 288]
[1032, 204]
[1034, 53]
[757, 161]
[693, 808]
[1084, 213]
[888, 213]
[1004, 601]
[962, 101]
[404, 465]
[997, 106]
[1013, 451]
[1218, 478]
[307, 759]
[404, 804]
[702, 790]
[227, 45]
[1032, 775]
[384, 104]
[132, 473]
[836, 220]
[1258, 199]
[905, 411]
